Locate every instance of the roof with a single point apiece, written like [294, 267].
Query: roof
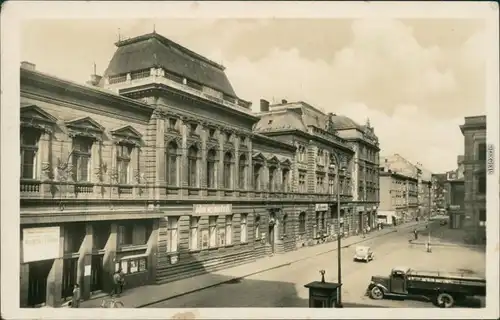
[153, 50]
[280, 121]
[343, 122]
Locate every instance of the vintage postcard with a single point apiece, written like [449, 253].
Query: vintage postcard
[226, 160]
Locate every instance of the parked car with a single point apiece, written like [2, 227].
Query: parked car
[363, 253]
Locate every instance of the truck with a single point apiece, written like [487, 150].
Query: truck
[444, 289]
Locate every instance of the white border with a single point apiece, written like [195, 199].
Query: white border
[12, 14]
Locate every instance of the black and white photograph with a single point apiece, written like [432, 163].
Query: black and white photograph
[177, 159]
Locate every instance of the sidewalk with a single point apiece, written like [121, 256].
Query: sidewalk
[147, 295]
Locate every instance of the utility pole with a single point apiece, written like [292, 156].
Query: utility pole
[339, 238]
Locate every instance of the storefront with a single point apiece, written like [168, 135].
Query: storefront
[41, 253]
[361, 217]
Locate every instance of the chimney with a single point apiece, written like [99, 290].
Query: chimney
[264, 105]
[94, 80]
[28, 65]
[283, 101]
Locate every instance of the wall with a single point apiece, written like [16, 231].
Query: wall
[385, 193]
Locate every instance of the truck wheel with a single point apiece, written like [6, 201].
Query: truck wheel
[376, 293]
[445, 300]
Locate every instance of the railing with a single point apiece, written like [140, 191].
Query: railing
[181, 84]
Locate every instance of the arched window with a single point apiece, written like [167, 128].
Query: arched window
[171, 164]
[242, 172]
[257, 227]
[228, 159]
[211, 161]
[192, 166]
[285, 219]
[302, 222]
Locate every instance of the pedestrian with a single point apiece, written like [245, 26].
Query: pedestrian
[75, 303]
[415, 233]
[119, 282]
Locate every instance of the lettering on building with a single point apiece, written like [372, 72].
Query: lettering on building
[212, 209]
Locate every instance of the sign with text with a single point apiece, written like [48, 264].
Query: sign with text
[40, 243]
[360, 208]
[212, 209]
[322, 207]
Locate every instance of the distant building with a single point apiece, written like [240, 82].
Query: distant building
[400, 165]
[438, 192]
[398, 195]
[474, 132]
[454, 195]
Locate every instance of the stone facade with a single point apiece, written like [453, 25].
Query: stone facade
[474, 131]
[399, 195]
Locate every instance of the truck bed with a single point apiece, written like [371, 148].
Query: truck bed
[453, 282]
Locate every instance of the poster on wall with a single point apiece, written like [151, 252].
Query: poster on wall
[204, 239]
[133, 266]
[124, 265]
[174, 259]
[87, 270]
[142, 264]
[40, 243]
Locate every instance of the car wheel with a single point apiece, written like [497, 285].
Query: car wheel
[445, 300]
[376, 293]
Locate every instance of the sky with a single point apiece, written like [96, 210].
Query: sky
[414, 79]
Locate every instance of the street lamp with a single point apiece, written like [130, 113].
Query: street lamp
[339, 254]
[429, 223]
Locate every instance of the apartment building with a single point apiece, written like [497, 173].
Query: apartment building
[474, 132]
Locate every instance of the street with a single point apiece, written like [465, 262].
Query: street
[284, 287]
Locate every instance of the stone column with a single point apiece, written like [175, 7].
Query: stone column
[159, 161]
[85, 262]
[152, 251]
[109, 258]
[55, 276]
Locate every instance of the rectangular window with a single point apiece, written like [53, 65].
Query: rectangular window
[125, 235]
[172, 234]
[29, 151]
[211, 174]
[482, 215]
[302, 222]
[123, 156]
[212, 229]
[481, 184]
[271, 179]
[133, 233]
[257, 227]
[481, 152]
[193, 233]
[256, 177]
[316, 225]
[82, 151]
[285, 178]
[243, 229]
[229, 230]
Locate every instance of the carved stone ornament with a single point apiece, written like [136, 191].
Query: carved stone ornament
[175, 138]
[193, 142]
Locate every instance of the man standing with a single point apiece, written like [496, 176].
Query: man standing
[75, 303]
[119, 282]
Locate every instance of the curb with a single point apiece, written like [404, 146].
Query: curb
[447, 245]
[262, 271]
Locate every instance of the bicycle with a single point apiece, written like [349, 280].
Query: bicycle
[112, 303]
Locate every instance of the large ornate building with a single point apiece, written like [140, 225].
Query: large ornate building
[474, 131]
[156, 168]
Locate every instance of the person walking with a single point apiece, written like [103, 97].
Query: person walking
[75, 302]
[415, 233]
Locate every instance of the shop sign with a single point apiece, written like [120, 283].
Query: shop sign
[212, 209]
[322, 207]
[360, 208]
[454, 207]
[40, 243]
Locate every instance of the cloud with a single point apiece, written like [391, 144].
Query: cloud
[415, 96]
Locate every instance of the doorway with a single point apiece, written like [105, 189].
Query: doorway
[70, 267]
[37, 287]
[96, 272]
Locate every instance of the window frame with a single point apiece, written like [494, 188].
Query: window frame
[77, 155]
[212, 231]
[228, 230]
[242, 172]
[192, 166]
[30, 148]
[194, 233]
[244, 228]
[172, 233]
[211, 174]
[124, 159]
[172, 164]
[257, 228]
[302, 222]
[227, 170]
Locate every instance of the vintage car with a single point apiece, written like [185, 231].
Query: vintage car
[444, 289]
[363, 253]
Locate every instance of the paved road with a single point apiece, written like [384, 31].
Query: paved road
[284, 287]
